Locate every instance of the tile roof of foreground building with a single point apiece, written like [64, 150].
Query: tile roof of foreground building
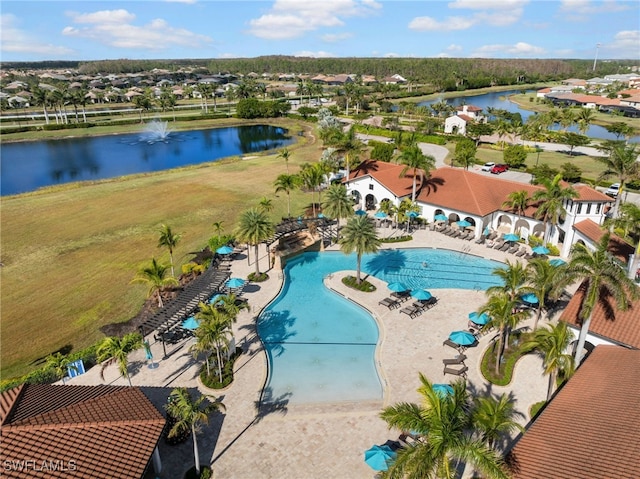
[617, 246]
[77, 431]
[589, 430]
[608, 321]
[472, 193]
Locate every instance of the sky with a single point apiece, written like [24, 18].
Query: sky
[202, 29]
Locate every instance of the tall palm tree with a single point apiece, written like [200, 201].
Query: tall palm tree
[337, 203]
[445, 424]
[622, 164]
[286, 154]
[602, 278]
[168, 239]
[551, 200]
[213, 332]
[287, 183]
[359, 235]
[116, 350]
[312, 176]
[265, 204]
[254, 227]
[494, 418]
[518, 201]
[217, 226]
[543, 280]
[155, 275]
[504, 316]
[513, 277]
[584, 118]
[552, 343]
[420, 164]
[59, 364]
[190, 414]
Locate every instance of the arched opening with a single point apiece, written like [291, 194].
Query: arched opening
[453, 217]
[357, 198]
[370, 202]
[504, 224]
[538, 230]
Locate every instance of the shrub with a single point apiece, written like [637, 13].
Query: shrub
[512, 353]
[364, 285]
[396, 239]
[514, 155]
[535, 408]
[382, 151]
[258, 278]
[553, 249]
[213, 380]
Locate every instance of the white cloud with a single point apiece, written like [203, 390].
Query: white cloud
[335, 37]
[517, 50]
[116, 29]
[495, 13]
[310, 54]
[16, 40]
[430, 24]
[581, 10]
[454, 48]
[293, 18]
[624, 45]
[487, 4]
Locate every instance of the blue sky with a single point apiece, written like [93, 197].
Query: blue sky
[147, 29]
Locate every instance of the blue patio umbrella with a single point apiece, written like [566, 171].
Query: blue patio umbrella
[226, 249]
[529, 298]
[320, 215]
[421, 294]
[235, 283]
[413, 214]
[215, 298]
[464, 224]
[190, 323]
[463, 338]
[557, 262]
[361, 212]
[147, 350]
[440, 217]
[397, 287]
[480, 319]
[380, 214]
[540, 250]
[511, 237]
[443, 389]
[379, 457]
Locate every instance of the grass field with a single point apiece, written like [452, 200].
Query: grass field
[70, 252]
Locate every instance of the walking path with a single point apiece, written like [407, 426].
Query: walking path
[321, 440]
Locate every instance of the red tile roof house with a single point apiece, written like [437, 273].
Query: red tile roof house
[462, 194]
[589, 430]
[465, 114]
[78, 431]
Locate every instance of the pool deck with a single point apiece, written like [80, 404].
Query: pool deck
[322, 440]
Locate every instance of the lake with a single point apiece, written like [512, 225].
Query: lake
[27, 166]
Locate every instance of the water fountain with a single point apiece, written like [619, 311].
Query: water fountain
[157, 131]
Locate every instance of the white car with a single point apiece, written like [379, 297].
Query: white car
[613, 190]
[488, 166]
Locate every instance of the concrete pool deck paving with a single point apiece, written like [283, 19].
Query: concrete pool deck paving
[322, 440]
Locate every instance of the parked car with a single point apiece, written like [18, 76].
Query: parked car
[488, 166]
[613, 190]
[497, 169]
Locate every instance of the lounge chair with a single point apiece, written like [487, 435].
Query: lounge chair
[456, 372]
[410, 311]
[521, 252]
[389, 303]
[470, 235]
[401, 296]
[499, 244]
[451, 344]
[504, 247]
[481, 240]
[459, 359]
[493, 235]
[528, 256]
[431, 302]
[513, 249]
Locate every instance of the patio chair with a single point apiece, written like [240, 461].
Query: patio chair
[493, 235]
[513, 249]
[456, 372]
[401, 296]
[504, 247]
[470, 236]
[481, 240]
[499, 244]
[451, 344]
[528, 256]
[410, 311]
[521, 252]
[431, 302]
[459, 359]
[389, 303]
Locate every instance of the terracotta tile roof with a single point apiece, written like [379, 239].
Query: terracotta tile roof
[607, 321]
[81, 431]
[468, 108]
[466, 118]
[590, 428]
[458, 189]
[617, 246]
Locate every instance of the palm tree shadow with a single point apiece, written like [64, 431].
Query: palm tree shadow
[386, 261]
[268, 404]
[430, 184]
[274, 329]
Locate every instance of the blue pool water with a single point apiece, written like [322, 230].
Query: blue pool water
[320, 346]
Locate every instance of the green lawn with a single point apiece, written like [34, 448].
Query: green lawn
[70, 252]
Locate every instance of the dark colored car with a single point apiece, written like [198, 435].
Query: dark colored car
[497, 169]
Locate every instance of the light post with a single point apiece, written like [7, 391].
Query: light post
[595, 60]
[538, 150]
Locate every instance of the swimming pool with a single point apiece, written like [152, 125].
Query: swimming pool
[321, 346]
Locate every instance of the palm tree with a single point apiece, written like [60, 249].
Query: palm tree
[254, 227]
[337, 203]
[168, 239]
[629, 221]
[217, 226]
[552, 198]
[312, 176]
[287, 183]
[585, 117]
[518, 201]
[212, 333]
[504, 316]
[494, 418]
[602, 278]
[285, 153]
[552, 344]
[59, 364]
[622, 164]
[543, 280]
[420, 164]
[359, 235]
[447, 438]
[155, 276]
[513, 277]
[190, 415]
[265, 204]
[116, 350]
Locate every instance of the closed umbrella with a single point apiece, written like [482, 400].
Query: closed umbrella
[421, 294]
[540, 250]
[463, 338]
[443, 390]
[397, 287]
[379, 457]
[440, 218]
[235, 283]
[480, 319]
[226, 249]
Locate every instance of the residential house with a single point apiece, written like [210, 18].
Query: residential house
[465, 114]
